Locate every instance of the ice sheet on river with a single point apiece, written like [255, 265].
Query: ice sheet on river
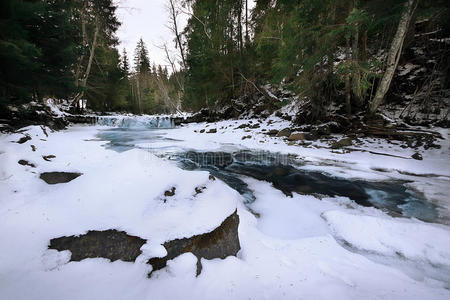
[288, 252]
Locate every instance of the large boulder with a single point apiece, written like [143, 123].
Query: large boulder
[286, 132]
[296, 137]
[118, 245]
[345, 142]
[417, 156]
[219, 243]
[111, 244]
[59, 177]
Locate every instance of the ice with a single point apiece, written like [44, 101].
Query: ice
[393, 237]
[301, 247]
[136, 121]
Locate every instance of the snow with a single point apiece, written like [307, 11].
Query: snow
[144, 121]
[54, 108]
[406, 69]
[300, 247]
[391, 237]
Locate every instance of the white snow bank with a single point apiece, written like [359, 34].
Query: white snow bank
[54, 108]
[286, 253]
[116, 191]
[411, 239]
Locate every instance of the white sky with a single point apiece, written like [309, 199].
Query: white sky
[147, 19]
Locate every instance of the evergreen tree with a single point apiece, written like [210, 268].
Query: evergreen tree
[36, 49]
[141, 59]
[215, 53]
[124, 63]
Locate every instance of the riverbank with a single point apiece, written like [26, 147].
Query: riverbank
[289, 245]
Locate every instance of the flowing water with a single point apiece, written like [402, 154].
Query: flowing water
[280, 170]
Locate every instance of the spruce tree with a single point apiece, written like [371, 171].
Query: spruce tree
[124, 63]
[141, 59]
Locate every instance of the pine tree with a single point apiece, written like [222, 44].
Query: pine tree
[124, 63]
[141, 59]
[36, 49]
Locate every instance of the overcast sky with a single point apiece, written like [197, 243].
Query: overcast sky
[147, 19]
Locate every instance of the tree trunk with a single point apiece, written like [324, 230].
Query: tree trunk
[348, 104]
[356, 78]
[81, 58]
[175, 30]
[364, 47]
[138, 91]
[393, 56]
[91, 56]
[246, 21]
[240, 28]
[84, 80]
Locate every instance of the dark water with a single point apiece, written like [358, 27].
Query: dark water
[280, 170]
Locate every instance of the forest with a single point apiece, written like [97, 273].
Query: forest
[260, 149]
[342, 53]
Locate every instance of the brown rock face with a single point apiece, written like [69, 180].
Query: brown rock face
[345, 142]
[26, 163]
[417, 156]
[58, 177]
[286, 132]
[171, 192]
[219, 243]
[24, 139]
[118, 245]
[296, 137]
[48, 157]
[110, 244]
[272, 132]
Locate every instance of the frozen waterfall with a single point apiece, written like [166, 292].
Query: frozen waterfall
[136, 121]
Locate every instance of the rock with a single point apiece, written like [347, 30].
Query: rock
[345, 142]
[24, 139]
[44, 131]
[246, 137]
[321, 130]
[219, 243]
[310, 136]
[286, 132]
[213, 130]
[242, 126]
[33, 147]
[296, 137]
[288, 118]
[81, 119]
[171, 192]
[26, 163]
[417, 156]
[59, 177]
[212, 178]
[272, 132]
[202, 131]
[48, 157]
[111, 244]
[199, 190]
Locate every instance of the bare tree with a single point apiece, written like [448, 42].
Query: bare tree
[174, 12]
[393, 55]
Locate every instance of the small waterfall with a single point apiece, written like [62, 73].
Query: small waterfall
[144, 122]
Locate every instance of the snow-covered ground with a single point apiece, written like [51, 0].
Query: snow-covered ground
[370, 158]
[291, 248]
